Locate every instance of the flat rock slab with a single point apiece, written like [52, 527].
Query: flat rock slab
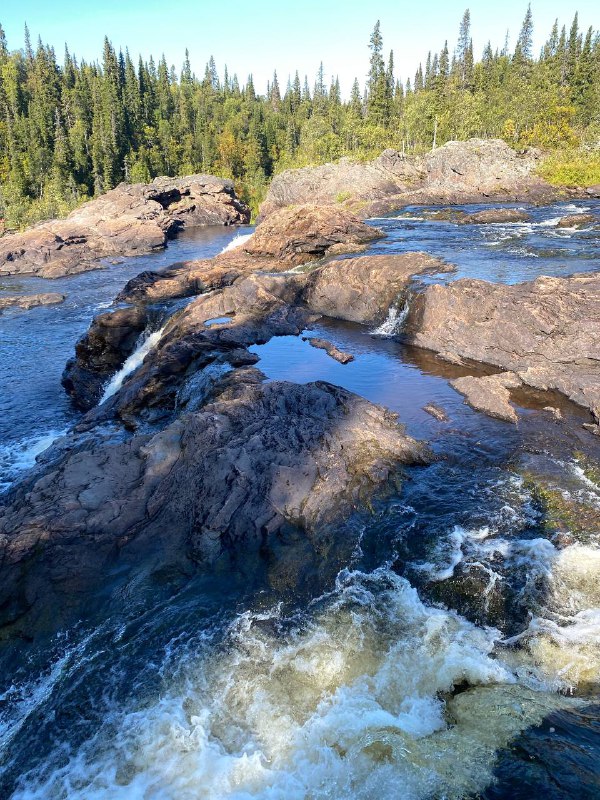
[27, 301]
[577, 221]
[495, 215]
[490, 394]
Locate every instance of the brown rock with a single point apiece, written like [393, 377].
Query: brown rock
[27, 301]
[495, 215]
[436, 411]
[490, 394]
[577, 221]
[330, 349]
[363, 289]
[547, 330]
[299, 234]
[128, 220]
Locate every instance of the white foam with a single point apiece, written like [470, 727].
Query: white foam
[17, 457]
[352, 702]
[392, 325]
[146, 343]
[238, 241]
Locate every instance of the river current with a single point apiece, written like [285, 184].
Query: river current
[444, 646]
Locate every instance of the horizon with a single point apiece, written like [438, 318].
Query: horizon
[83, 33]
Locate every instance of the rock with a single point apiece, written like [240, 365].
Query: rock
[330, 349]
[593, 191]
[577, 221]
[476, 171]
[101, 352]
[592, 428]
[256, 458]
[363, 289]
[305, 233]
[490, 394]
[495, 215]
[128, 220]
[556, 412]
[27, 301]
[547, 331]
[436, 411]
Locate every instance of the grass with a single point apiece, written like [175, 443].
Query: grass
[571, 168]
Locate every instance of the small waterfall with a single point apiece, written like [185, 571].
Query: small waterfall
[237, 241]
[146, 343]
[394, 321]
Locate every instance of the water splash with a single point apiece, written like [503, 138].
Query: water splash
[238, 241]
[146, 343]
[17, 457]
[392, 325]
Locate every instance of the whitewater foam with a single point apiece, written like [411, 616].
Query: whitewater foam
[238, 241]
[17, 457]
[392, 325]
[146, 343]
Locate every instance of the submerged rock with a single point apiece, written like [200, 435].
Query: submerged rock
[128, 220]
[255, 458]
[437, 412]
[27, 301]
[547, 330]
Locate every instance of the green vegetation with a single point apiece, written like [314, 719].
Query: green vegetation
[69, 132]
[563, 511]
[571, 168]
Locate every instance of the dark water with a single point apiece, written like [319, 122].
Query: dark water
[442, 644]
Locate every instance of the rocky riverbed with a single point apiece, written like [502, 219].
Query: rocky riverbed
[275, 553]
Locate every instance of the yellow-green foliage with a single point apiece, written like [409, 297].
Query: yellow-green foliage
[572, 168]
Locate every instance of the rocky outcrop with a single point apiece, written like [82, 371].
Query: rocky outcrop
[577, 221]
[128, 220]
[308, 232]
[495, 215]
[257, 457]
[490, 394]
[545, 330]
[476, 171]
[27, 301]
[363, 289]
[331, 350]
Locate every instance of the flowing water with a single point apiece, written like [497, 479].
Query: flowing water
[435, 643]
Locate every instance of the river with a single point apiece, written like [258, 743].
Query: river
[445, 635]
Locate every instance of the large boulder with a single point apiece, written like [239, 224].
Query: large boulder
[128, 220]
[475, 171]
[547, 330]
[255, 459]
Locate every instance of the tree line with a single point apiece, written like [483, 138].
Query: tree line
[72, 130]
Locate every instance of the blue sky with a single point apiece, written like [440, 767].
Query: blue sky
[274, 34]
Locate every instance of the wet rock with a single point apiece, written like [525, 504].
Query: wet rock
[490, 394]
[545, 330]
[27, 301]
[577, 221]
[255, 459]
[475, 171]
[495, 215]
[305, 233]
[557, 759]
[363, 289]
[101, 352]
[128, 220]
[592, 428]
[330, 349]
[437, 412]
